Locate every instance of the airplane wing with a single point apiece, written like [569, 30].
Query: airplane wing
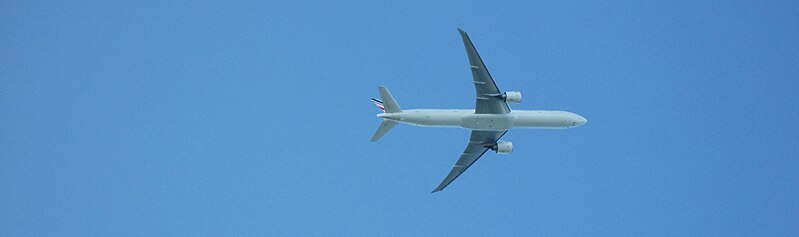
[478, 145]
[489, 100]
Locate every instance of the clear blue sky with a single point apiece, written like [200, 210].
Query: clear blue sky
[194, 118]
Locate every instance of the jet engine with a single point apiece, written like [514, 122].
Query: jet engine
[503, 147]
[513, 97]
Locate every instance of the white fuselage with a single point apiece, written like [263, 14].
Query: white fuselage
[486, 122]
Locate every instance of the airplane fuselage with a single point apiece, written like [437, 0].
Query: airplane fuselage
[465, 118]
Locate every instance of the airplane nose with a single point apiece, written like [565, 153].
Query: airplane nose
[578, 120]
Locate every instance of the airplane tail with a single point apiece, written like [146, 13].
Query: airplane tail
[383, 129]
[387, 105]
[379, 104]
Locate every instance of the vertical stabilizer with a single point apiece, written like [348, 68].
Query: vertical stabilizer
[379, 104]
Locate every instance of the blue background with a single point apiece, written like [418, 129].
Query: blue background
[253, 118]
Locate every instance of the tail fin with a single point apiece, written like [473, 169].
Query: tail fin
[379, 104]
[383, 129]
[389, 104]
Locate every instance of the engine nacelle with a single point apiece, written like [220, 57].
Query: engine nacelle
[503, 147]
[513, 97]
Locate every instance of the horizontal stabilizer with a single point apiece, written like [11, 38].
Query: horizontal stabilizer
[389, 104]
[383, 129]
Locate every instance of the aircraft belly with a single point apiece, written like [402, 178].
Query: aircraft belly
[433, 119]
[487, 122]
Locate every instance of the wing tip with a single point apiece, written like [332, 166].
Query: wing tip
[441, 186]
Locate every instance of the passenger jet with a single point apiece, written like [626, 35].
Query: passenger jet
[489, 121]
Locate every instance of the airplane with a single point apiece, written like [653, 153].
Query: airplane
[489, 121]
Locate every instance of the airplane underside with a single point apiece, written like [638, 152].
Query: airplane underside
[486, 122]
[489, 120]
